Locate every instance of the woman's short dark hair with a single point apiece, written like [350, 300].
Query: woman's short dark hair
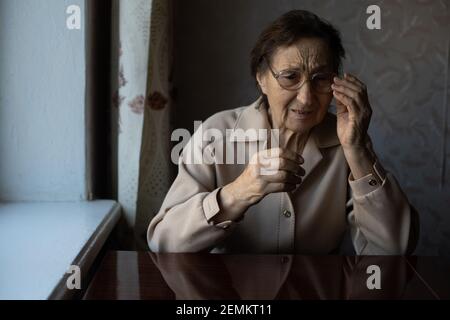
[287, 30]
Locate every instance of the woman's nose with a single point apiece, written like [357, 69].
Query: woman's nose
[304, 94]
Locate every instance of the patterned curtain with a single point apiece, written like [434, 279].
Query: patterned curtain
[141, 30]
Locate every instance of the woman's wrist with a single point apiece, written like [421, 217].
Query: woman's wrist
[232, 204]
[359, 160]
[233, 198]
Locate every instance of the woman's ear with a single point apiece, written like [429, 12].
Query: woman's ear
[261, 78]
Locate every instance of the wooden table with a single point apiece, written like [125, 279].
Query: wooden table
[150, 276]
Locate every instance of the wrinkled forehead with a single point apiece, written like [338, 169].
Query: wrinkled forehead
[306, 54]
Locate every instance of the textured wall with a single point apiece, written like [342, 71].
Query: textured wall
[405, 66]
[42, 82]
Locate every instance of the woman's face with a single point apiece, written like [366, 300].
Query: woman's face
[304, 108]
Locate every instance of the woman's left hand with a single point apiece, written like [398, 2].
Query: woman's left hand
[353, 111]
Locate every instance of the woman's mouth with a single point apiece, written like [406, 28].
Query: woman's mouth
[301, 114]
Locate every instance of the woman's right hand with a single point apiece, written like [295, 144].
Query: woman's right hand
[269, 171]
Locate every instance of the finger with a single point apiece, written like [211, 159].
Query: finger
[340, 107]
[363, 96]
[280, 187]
[291, 166]
[284, 153]
[285, 164]
[348, 92]
[354, 79]
[275, 164]
[351, 101]
[282, 176]
[348, 102]
[346, 83]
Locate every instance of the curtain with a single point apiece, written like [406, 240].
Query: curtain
[140, 80]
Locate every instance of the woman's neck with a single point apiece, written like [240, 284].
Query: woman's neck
[289, 139]
[293, 140]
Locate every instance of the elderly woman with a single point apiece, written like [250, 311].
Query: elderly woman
[320, 184]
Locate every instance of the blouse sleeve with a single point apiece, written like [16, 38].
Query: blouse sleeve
[183, 223]
[382, 222]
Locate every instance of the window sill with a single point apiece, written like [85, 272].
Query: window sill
[40, 241]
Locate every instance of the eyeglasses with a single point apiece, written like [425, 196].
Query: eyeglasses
[291, 80]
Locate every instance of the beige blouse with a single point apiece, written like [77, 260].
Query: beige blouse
[326, 209]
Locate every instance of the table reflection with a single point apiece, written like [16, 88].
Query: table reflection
[152, 276]
[192, 276]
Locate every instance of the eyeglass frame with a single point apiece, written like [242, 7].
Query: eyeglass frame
[276, 75]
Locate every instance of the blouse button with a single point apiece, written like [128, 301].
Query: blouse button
[373, 182]
[287, 213]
